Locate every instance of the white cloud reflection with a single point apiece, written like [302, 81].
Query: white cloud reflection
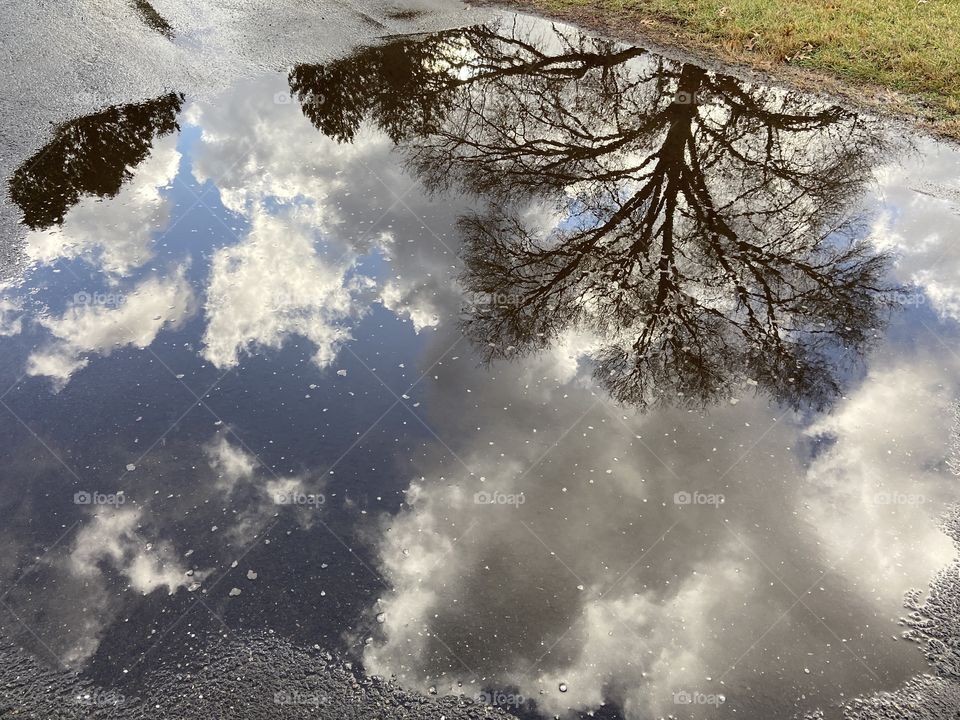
[276, 283]
[112, 544]
[113, 537]
[589, 583]
[115, 233]
[918, 219]
[89, 327]
[327, 222]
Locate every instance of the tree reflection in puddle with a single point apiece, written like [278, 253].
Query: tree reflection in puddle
[696, 227]
[505, 527]
[92, 155]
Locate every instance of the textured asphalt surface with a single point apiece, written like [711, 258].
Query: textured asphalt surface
[256, 677]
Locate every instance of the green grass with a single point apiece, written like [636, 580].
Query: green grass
[905, 45]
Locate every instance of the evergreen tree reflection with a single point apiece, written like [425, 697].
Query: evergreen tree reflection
[92, 155]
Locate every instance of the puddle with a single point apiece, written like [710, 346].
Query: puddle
[505, 361]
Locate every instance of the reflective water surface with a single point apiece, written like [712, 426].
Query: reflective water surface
[504, 361]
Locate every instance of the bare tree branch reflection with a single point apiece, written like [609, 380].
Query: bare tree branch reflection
[696, 226]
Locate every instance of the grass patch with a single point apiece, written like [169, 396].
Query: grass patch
[908, 46]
